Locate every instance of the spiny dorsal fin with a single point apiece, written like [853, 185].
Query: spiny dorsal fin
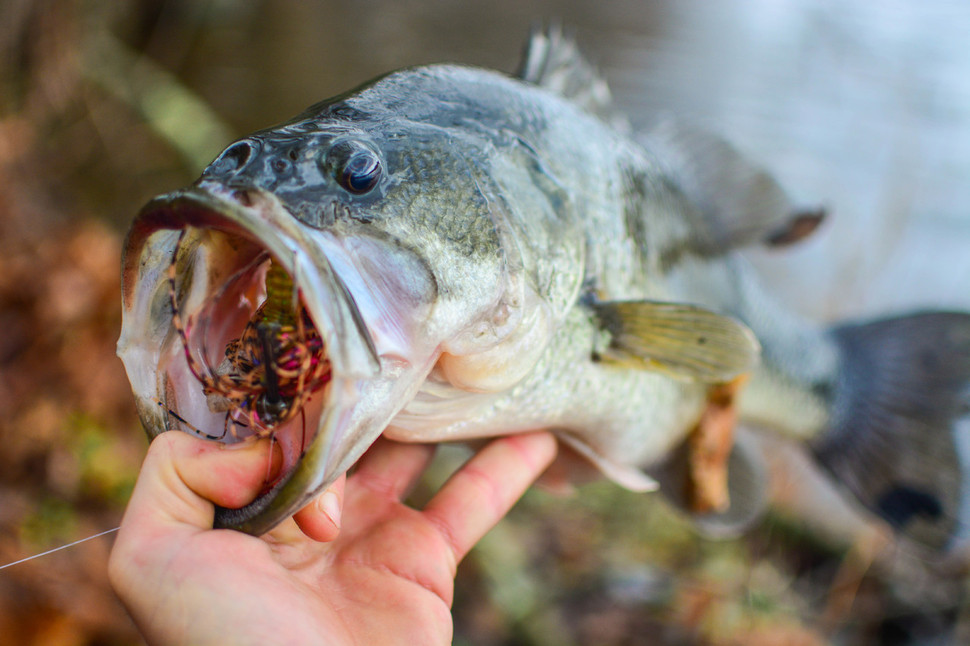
[553, 61]
[740, 203]
[685, 341]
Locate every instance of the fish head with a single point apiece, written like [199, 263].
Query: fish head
[391, 234]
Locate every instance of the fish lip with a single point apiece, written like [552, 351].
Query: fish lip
[259, 216]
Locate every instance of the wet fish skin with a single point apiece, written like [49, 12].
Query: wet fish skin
[549, 209]
[510, 215]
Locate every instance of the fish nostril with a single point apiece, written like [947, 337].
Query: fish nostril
[240, 153]
[280, 165]
[234, 158]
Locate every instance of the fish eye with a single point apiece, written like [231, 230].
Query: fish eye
[355, 166]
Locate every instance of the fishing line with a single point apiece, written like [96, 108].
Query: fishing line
[58, 549]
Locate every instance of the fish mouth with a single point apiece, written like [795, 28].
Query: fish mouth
[235, 328]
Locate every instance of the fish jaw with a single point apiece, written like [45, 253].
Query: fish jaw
[217, 237]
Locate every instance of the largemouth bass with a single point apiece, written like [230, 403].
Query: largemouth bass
[449, 253]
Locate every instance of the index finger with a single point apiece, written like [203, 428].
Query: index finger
[479, 494]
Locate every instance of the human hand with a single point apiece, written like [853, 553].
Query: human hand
[385, 577]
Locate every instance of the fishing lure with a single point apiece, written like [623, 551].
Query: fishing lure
[270, 371]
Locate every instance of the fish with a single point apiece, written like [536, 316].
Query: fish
[456, 253]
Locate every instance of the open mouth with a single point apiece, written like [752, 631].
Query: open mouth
[235, 328]
[252, 363]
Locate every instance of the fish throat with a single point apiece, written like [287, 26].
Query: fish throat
[277, 362]
[269, 372]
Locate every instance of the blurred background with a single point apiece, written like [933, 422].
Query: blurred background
[862, 107]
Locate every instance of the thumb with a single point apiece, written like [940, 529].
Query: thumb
[172, 502]
[171, 507]
[183, 476]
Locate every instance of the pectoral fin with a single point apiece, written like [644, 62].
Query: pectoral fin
[685, 341]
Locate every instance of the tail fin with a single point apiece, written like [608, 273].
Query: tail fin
[899, 438]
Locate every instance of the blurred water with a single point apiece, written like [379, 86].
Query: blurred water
[862, 106]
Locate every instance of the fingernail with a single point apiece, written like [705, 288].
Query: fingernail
[330, 505]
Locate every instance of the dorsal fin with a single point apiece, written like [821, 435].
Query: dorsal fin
[553, 61]
[739, 202]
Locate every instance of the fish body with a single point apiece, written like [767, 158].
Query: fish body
[484, 255]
